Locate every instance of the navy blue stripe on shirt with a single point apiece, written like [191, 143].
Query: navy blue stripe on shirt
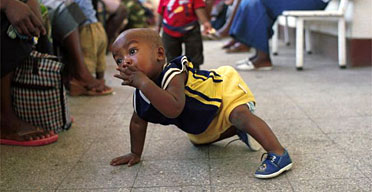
[202, 95]
[198, 77]
[181, 29]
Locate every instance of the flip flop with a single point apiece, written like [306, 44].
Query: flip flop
[247, 65]
[238, 48]
[38, 142]
[107, 91]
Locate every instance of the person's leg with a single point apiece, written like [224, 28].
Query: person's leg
[172, 45]
[277, 160]
[246, 121]
[194, 47]
[253, 27]
[100, 37]
[80, 71]
[261, 59]
[12, 127]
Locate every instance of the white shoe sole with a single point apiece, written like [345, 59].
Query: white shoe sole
[286, 168]
[247, 65]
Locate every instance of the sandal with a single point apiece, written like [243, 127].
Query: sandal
[228, 44]
[247, 65]
[238, 48]
[77, 89]
[48, 139]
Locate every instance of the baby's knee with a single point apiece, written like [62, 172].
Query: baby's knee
[239, 113]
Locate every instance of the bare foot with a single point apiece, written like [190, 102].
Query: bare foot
[13, 128]
[258, 62]
[262, 59]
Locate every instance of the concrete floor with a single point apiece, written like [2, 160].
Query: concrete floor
[322, 115]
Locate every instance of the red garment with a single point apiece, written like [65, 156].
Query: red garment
[179, 15]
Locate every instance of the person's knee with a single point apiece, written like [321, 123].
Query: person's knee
[239, 114]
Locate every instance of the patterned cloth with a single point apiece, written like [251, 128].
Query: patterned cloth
[136, 14]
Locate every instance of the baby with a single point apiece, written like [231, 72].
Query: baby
[208, 105]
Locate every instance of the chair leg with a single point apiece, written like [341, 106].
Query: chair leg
[275, 38]
[299, 43]
[308, 40]
[286, 35]
[341, 43]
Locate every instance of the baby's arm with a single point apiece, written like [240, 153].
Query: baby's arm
[137, 140]
[169, 102]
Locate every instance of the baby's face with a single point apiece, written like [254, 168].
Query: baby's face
[129, 49]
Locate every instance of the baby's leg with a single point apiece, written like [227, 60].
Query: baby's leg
[227, 134]
[246, 121]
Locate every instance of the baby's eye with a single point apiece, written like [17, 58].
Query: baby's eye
[119, 61]
[132, 51]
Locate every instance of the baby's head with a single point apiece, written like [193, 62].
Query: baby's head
[141, 47]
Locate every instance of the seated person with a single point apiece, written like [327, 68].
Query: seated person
[253, 26]
[65, 20]
[27, 22]
[93, 41]
[208, 105]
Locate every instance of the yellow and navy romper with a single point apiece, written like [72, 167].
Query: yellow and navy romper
[210, 98]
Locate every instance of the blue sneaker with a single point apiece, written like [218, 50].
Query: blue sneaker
[273, 165]
[252, 144]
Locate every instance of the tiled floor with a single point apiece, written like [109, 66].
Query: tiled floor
[322, 115]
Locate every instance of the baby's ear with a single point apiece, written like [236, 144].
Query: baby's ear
[161, 54]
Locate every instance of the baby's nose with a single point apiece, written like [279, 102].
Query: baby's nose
[127, 61]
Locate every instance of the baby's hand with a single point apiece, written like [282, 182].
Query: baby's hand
[130, 75]
[130, 159]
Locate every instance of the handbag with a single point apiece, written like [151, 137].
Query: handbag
[38, 94]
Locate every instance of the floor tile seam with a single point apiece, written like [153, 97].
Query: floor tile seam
[27, 189]
[140, 165]
[169, 186]
[329, 179]
[278, 119]
[170, 159]
[345, 153]
[342, 151]
[301, 109]
[209, 169]
[370, 179]
[164, 139]
[349, 116]
[308, 116]
[77, 162]
[290, 184]
[234, 158]
[174, 160]
[91, 188]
